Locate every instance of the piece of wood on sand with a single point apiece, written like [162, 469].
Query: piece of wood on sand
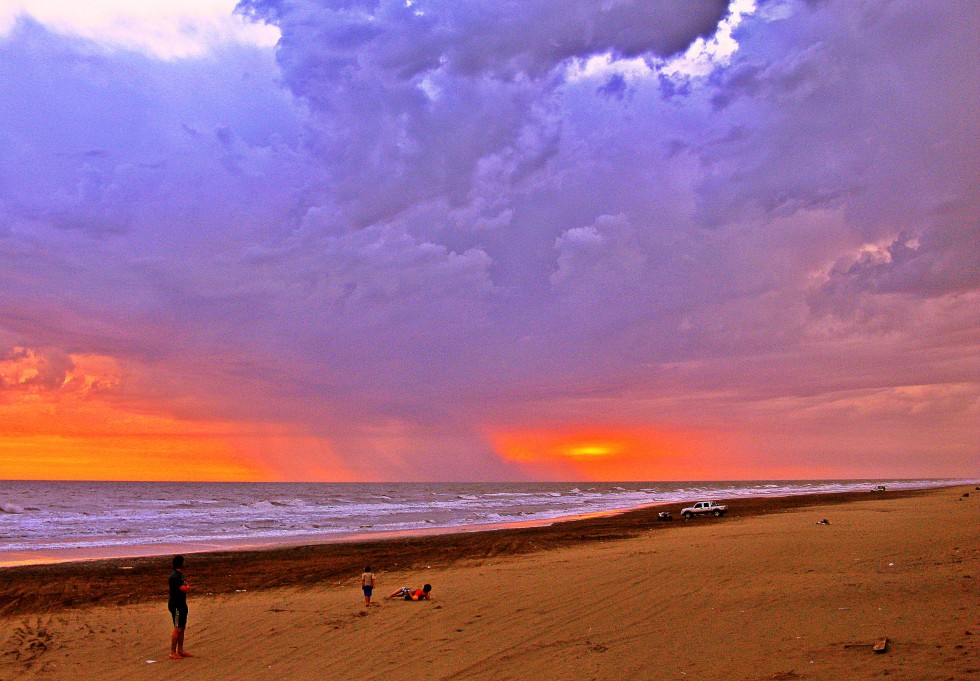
[878, 646]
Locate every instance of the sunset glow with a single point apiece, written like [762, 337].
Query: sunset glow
[70, 429]
[585, 453]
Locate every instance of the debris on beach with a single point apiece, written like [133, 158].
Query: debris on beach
[878, 647]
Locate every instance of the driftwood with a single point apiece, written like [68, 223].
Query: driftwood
[879, 646]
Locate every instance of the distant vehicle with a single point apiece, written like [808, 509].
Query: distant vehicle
[879, 488]
[704, 507]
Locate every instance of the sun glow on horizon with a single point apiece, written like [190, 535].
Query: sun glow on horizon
[594, 453]
[586, 451]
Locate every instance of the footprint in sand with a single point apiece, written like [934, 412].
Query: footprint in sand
[30, 641]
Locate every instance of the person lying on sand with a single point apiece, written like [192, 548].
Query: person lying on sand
[405, 592]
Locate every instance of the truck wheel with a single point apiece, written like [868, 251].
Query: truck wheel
[717, 514]
[687, 516]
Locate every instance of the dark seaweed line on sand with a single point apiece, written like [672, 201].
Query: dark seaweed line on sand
[47, 588]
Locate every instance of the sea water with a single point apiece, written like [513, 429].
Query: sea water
[45, 520]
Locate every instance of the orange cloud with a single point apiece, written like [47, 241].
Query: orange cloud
[612, 453]
[60, 418]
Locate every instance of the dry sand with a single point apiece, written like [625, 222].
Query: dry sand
[769, 594]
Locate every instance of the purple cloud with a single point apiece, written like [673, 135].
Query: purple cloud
[417, 222]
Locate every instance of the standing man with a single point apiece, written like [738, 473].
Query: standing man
[367, 585]
[177, 604]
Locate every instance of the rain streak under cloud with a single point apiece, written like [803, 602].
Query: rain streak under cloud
[433, 239]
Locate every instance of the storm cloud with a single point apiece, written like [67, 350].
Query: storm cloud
[413, 224]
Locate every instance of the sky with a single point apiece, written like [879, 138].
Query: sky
[430, 240]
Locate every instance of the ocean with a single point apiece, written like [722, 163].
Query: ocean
[43, 521]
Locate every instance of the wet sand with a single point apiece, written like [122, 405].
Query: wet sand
[764, 593]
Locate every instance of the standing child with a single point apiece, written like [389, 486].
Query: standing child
[367, 585]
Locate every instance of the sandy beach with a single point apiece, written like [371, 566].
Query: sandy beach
[765, 593]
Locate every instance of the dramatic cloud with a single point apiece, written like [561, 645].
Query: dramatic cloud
[430, 240]
[164, 28]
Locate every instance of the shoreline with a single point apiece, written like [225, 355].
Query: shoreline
[52, 554]
[190, 548]
[127, 580]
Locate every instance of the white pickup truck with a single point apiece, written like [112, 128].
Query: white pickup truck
[702, 507]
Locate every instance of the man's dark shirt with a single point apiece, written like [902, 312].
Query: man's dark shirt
[178, 599]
